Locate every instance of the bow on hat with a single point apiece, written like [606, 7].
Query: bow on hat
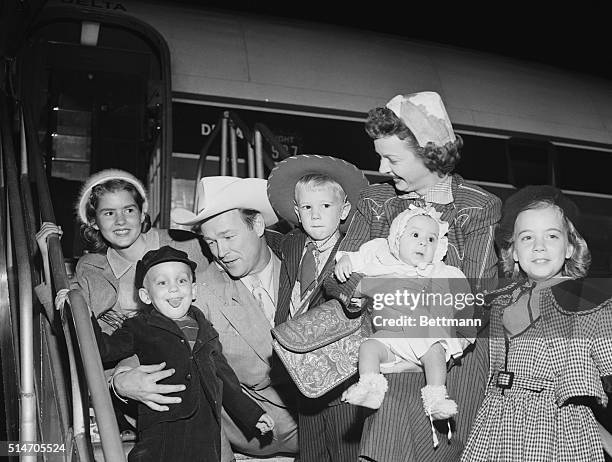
[426, 117]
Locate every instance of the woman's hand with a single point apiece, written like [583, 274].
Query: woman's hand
[140, 384]
[60, 299]
[343, 269]
[46, 230]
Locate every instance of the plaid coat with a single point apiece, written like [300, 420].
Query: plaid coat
[400, 430]
[558, 362]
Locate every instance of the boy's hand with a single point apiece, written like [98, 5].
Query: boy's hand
[343, 269]
[265, 424]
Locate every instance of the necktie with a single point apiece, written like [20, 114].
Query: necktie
[264, 299]
[308, 269]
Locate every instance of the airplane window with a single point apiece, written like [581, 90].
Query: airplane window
[483, 159]
[584, 170]
[529, 162]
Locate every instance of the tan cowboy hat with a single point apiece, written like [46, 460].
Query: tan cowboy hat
[283, 178]
[218, 194]
[426, 117]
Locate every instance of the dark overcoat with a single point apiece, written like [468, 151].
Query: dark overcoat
[210, 384]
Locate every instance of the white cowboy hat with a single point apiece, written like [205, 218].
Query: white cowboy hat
[102, 177]
[218, 194]
[426, 117]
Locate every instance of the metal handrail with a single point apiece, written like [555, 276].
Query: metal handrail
[238, 122]
[112, 446]
[27, 418]
[9, 347]
[90, 357]
[28, 139]
[250, 136]
[204, 153]
[270, 138]
[227, 126]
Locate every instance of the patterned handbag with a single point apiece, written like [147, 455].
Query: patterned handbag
[320, 347]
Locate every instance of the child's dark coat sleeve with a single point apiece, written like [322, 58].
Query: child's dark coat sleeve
[113, 348]
[243, 411]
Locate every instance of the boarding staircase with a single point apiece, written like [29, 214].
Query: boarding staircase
[51, 370]
[51, 373]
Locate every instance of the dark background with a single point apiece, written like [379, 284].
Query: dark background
[575, 36]
[572, 36]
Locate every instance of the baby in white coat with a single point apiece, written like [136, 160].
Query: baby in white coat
[413, 251]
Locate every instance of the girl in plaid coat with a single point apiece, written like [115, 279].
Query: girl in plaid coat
[551, 340]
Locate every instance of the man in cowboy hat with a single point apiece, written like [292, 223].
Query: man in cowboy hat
[238, 295]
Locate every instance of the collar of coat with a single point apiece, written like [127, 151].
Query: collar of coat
[572, 295]
[155, 319]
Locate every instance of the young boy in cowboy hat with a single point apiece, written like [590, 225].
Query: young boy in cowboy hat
[315, 193]
[173, 331]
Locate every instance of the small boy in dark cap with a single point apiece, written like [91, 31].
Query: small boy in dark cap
[173, 331]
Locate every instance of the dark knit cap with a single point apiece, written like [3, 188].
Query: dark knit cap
[523, 198]
[155, 257]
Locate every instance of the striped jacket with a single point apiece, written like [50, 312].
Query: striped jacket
[400, 430]
[472, 218]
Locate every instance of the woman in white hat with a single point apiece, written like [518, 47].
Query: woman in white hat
[418, 149]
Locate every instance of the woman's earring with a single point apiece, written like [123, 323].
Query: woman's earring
[516, 268]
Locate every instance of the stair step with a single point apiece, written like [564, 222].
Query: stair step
[70, 170]
[71, 146]
[73, 122]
